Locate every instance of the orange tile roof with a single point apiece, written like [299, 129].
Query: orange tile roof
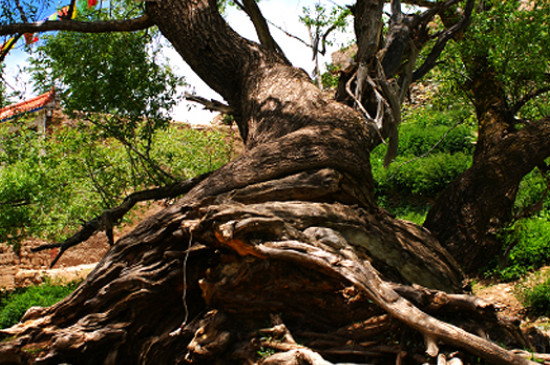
[27, 106]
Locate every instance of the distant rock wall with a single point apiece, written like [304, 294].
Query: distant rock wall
[11, 263]
[26, 268]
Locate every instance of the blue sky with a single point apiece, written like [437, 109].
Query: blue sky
[284, 13]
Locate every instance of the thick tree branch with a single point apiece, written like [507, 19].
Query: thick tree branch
[110, 217]
[211, 104]
[442, 40]
[436, 8]
[366, 278]
[262, 30]
[128, 25]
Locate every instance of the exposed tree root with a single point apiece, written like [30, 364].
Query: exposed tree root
[339, 276]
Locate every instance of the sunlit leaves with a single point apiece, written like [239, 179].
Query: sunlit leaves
[512, 38]
[48, 186]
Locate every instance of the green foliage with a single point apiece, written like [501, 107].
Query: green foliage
[531, 191]
[321, 22]
[47, 186]
[527, 242]
[331, 76]
[423, 177]
[106, 73]
[434, 148]
[501, 37]
[15, 303]
[117, 81]
[537, 298]
[319, 19]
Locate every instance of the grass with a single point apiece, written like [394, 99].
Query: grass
[14, 304]
[536, 297]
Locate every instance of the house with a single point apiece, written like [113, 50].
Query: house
[43, 106]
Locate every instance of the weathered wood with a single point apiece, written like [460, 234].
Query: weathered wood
[289, 227]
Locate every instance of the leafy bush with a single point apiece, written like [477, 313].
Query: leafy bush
[531, 191]
[424, 177]
[530, 239]
[537, 298]
[412, 213]
[417, 140]
[14, 304]
[47, 186]
[435, 146]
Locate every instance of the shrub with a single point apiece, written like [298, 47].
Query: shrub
[537, 298]
[14, 304]
[47, 186]
[531, 191]
[424, 177]
[530, 239]
[418, 139]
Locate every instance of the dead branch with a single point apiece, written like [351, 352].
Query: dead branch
[295, 357]
[211, 104]
[110, 217]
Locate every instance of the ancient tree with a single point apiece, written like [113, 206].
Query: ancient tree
[282, 255]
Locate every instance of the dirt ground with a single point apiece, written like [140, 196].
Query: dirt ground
[505, 297]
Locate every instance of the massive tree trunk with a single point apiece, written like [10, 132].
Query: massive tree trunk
[288, 233]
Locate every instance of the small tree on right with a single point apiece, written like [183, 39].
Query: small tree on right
[501, 68]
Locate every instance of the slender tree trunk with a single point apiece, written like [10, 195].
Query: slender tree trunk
[469, 213]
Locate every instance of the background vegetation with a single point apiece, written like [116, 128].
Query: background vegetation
[49, 185]
[15, 303]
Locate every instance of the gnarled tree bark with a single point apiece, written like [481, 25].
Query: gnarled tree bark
[289, 227]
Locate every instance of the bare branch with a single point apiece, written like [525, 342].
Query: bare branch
[16, 203]
[127, 25]
[290, 34]
[4, 52]
[211, 104]
[110, 217]
[444, 37]
[21, 11]
[362, 108]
